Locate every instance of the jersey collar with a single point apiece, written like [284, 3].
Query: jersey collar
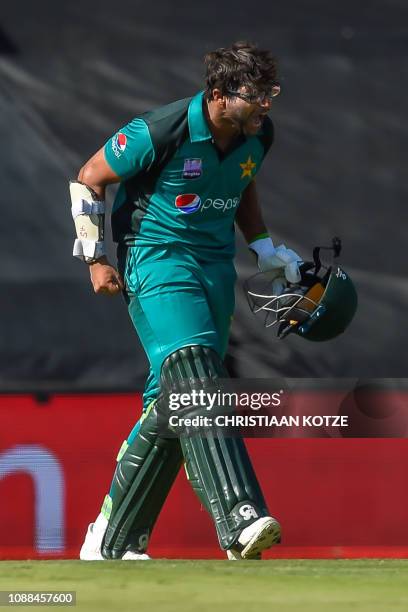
[197, 123]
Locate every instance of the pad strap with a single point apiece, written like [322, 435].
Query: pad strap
[85, 207]
[88, 250]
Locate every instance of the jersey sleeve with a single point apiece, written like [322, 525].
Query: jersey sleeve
[130, 150]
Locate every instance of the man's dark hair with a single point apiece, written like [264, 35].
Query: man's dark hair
[241, 64]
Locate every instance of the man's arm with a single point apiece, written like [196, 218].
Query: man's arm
[249, 215]
[126, 153]
[280, 262]
[96, 174]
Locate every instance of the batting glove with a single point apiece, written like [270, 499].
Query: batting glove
[280, 264]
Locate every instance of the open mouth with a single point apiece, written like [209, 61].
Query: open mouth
[257, 120]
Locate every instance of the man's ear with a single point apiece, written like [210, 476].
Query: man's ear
[218, 97]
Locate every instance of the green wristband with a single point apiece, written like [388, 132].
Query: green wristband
[259, 237]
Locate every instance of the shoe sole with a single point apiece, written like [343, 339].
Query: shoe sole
[268, 535]
[234, 555]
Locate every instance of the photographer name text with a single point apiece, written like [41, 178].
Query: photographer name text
[259, 420]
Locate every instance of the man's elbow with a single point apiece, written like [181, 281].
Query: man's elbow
[96, 173]
[87, 175]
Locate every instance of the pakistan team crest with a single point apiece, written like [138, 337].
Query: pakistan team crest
[193, 168]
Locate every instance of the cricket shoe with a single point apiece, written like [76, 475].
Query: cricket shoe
[91, 548]
[262, 534]
[234, 555]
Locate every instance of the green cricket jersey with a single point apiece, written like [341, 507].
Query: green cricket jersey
[177, 187]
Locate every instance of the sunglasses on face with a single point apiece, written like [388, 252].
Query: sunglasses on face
[257, 97]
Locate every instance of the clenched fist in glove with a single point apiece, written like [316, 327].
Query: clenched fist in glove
[279, 263]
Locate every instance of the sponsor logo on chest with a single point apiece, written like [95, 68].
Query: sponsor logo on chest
[193, 168]
[188, 203]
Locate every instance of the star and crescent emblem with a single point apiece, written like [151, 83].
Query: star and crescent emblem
[247, 167]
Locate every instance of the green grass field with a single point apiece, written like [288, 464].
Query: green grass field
[174, 586]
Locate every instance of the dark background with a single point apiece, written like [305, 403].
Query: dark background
[71, 74]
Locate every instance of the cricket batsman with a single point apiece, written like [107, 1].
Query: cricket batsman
[187, 175]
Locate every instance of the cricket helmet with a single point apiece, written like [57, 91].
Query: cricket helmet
[319, 307]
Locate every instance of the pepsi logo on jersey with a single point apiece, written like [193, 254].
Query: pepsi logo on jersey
[188, 203]
[119, 143]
